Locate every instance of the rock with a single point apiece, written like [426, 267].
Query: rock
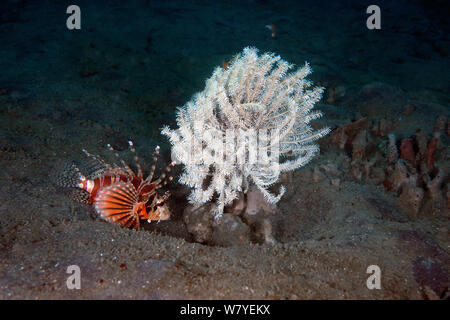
[331, 169]
[267, 232]
[229, 230]
[199, 222]
[249, 219]
[317, 175]
[260, 215]
[256, 203]
[335, 182]
[238, 206]
[345, 134]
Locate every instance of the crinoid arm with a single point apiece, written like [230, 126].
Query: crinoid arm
[255, 93]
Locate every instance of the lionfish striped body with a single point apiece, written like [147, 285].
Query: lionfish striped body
[119, 194]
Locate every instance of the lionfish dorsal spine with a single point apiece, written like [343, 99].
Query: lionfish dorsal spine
[100, 160]
[125, 167]
[153, 168]
[162, 180]
[136, 159]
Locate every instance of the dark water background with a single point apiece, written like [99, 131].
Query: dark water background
[133, 62]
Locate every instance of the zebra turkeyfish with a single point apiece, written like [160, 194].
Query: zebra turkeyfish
[118, 194]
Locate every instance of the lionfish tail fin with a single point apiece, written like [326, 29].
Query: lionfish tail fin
[78, 195]
[66, 175]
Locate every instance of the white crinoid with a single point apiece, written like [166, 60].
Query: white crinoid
[249, 124]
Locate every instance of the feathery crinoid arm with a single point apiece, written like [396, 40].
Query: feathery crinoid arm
[255, 93]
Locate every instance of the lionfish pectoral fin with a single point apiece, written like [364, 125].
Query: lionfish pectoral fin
[116, 202]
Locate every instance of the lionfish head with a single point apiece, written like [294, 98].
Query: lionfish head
[156, 209]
